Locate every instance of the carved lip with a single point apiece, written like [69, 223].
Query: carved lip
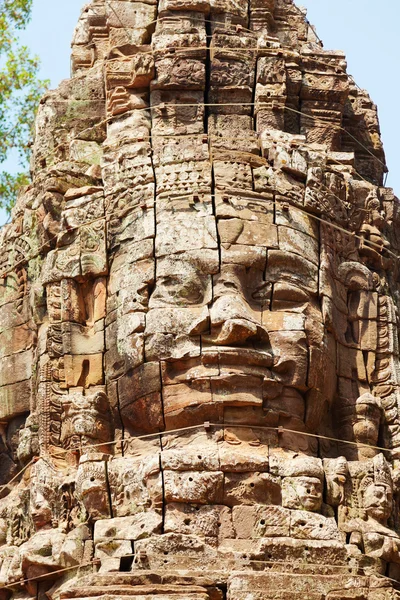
[236, 356]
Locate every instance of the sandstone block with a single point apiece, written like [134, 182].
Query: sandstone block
[15, 399]
[15, 368]
[261, 521]
[251, 488]
[205, 521]
[131, 528]
[193, 487]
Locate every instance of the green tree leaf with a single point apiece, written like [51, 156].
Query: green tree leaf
[20, 92]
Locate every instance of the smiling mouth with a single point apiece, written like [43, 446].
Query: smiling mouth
[236, 357]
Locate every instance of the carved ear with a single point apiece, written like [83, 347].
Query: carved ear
[355, 276]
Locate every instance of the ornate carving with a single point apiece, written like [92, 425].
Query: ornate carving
[199, 359]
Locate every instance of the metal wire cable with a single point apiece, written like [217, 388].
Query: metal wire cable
[165, 106]
[206, 427]
[107, 217]
[5, 486]
[347, 570]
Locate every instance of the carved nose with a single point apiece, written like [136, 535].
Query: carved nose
[233, 323]
[234, 331]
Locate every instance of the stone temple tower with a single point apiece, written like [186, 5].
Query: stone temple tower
[199, 356]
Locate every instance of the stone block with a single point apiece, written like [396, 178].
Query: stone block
[185, 234]
[203, 458]
[132, 528]
[178, 321]
[178, 72]
[112, 548]
[78, 339]
[171, 117]
[243, 458]
[15, 399]
[16, 339]
[83, 370]
[204, 521]
[198, 397]
[193, 487]
[312, 526]
[248, 233]
[166, 346]
[261, 521]
[291, 240]
[232, 174]
[16, 367]
[140, 398]
[251, 488]
[123, 14]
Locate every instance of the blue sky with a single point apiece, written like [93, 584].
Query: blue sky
[367, 33]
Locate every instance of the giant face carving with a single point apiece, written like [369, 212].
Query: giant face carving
[234, 330]
[211, 301]
[243, 306]
[233, 335]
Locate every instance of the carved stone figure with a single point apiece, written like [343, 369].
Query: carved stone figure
[302, 483]
[86, 420]
[369, 530]
[46, 547]
[199, 358]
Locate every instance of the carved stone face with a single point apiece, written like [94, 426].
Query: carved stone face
[205, 255]
[91, 487]
[43, 495]
[378, 501]
[233, 311]
[40, 508]
[86, 420]
[302, 493]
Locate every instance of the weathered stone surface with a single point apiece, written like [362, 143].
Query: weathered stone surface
[199, 355]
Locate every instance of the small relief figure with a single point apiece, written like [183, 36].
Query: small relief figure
[368, 419]
[28, 443]
[303, 486]
[373, 243]
[15, 529]
[302, 493]
[86, 421]
[136, 485]
[92, 486]
[336, 475]
[361, 424]
[371, 504]
[49, 548]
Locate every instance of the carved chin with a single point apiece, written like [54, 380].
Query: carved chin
[312, 504]
[41, 519]
[379, 513]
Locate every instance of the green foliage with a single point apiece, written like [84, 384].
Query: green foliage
[20, 91]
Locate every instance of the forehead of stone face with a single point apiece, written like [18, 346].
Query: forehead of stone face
[249, 229]
[304, 480]
[301, 466]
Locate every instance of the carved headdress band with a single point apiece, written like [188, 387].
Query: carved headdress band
[378, 474]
